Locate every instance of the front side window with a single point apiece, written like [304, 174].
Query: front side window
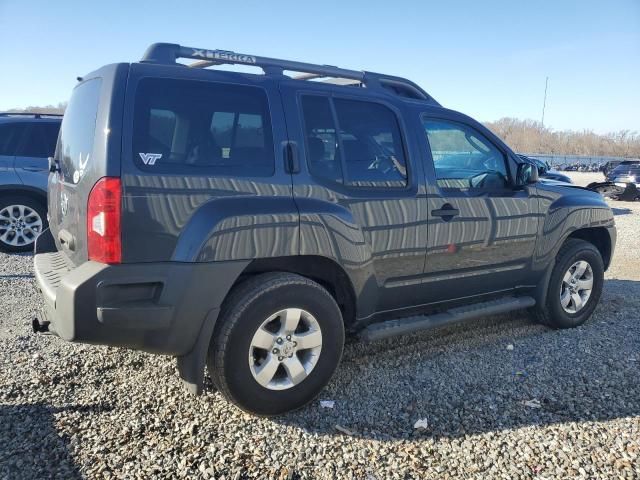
[359, 146]
[463, 158]
[201, 127]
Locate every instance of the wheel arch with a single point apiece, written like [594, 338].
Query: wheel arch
[322, 270]
[597, 236]
[24, 190]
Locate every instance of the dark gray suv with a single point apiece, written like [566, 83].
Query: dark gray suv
[249, 222]
[26, 141]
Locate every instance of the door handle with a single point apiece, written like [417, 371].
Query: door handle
[447, 212]
[291, 158]
[34, 169]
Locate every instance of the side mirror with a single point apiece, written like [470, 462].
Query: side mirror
[527, 174]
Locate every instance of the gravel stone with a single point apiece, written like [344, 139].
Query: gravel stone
[79, 411]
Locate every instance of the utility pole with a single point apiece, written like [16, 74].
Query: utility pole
[544, 102]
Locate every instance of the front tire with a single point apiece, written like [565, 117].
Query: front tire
[574, 287]
[278, 342]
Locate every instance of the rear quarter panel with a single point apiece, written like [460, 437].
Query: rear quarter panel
[206, 217]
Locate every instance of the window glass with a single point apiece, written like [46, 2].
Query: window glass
[320, 132]
[202, 127]
[367, 151]
[77, 132]
[371, 144]
[463, 158]
[40, 140]
[10, 134]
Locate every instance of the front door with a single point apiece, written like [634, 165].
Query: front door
[482, 229]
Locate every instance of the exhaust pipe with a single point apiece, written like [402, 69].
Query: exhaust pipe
[39, 326]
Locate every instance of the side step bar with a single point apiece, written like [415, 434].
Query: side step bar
[403, 326]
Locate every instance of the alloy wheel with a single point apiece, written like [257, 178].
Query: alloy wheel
[576, 287]
[285, 349]
[20, 225]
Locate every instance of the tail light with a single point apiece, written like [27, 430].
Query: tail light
[103, 221]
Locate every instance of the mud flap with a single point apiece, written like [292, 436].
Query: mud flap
[191, 366]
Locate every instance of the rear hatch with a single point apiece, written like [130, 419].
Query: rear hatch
[88, 149]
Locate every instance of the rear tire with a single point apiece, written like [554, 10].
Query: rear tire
[22, 219]
[569, 301]
[258, 361]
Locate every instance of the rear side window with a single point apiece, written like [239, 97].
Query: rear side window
[202, 127]
[322, 138]
[40, 140]
[10, 134]
[358, 145]
[370, 144]
[77, 132]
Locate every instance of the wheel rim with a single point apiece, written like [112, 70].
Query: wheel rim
[285, 349]
[576, 288]
[19, 225]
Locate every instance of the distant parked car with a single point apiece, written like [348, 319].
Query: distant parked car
[545, 170]
[26, 141]
[609, 166]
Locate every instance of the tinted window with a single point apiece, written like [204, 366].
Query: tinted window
[321, 138]
[77, 132]
[371, 144]
[464, 158]
[203, 127]
[10, 134]
[366, 151]
[40, 140]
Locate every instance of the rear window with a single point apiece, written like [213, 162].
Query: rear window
[201, 127]
[77, 132]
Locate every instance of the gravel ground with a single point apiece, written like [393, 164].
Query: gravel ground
[502, 398]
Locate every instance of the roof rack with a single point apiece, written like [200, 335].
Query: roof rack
[30, 114]
[168, 53]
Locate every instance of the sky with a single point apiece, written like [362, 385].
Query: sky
[488, 59]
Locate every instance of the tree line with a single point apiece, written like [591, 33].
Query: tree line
[530, 136]
[57, 109]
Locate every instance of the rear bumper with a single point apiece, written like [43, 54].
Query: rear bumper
[155, 307]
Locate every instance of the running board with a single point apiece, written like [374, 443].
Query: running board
[403, 326]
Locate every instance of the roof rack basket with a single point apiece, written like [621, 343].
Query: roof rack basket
[168, 53]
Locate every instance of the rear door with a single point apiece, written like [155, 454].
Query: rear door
[482, 229]
[356, 155]
[37, 145]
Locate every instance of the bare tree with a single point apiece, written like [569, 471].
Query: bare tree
[530, 136]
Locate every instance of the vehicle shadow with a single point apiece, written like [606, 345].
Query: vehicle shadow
[502, 372]
[30, 445]
[620, 211]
